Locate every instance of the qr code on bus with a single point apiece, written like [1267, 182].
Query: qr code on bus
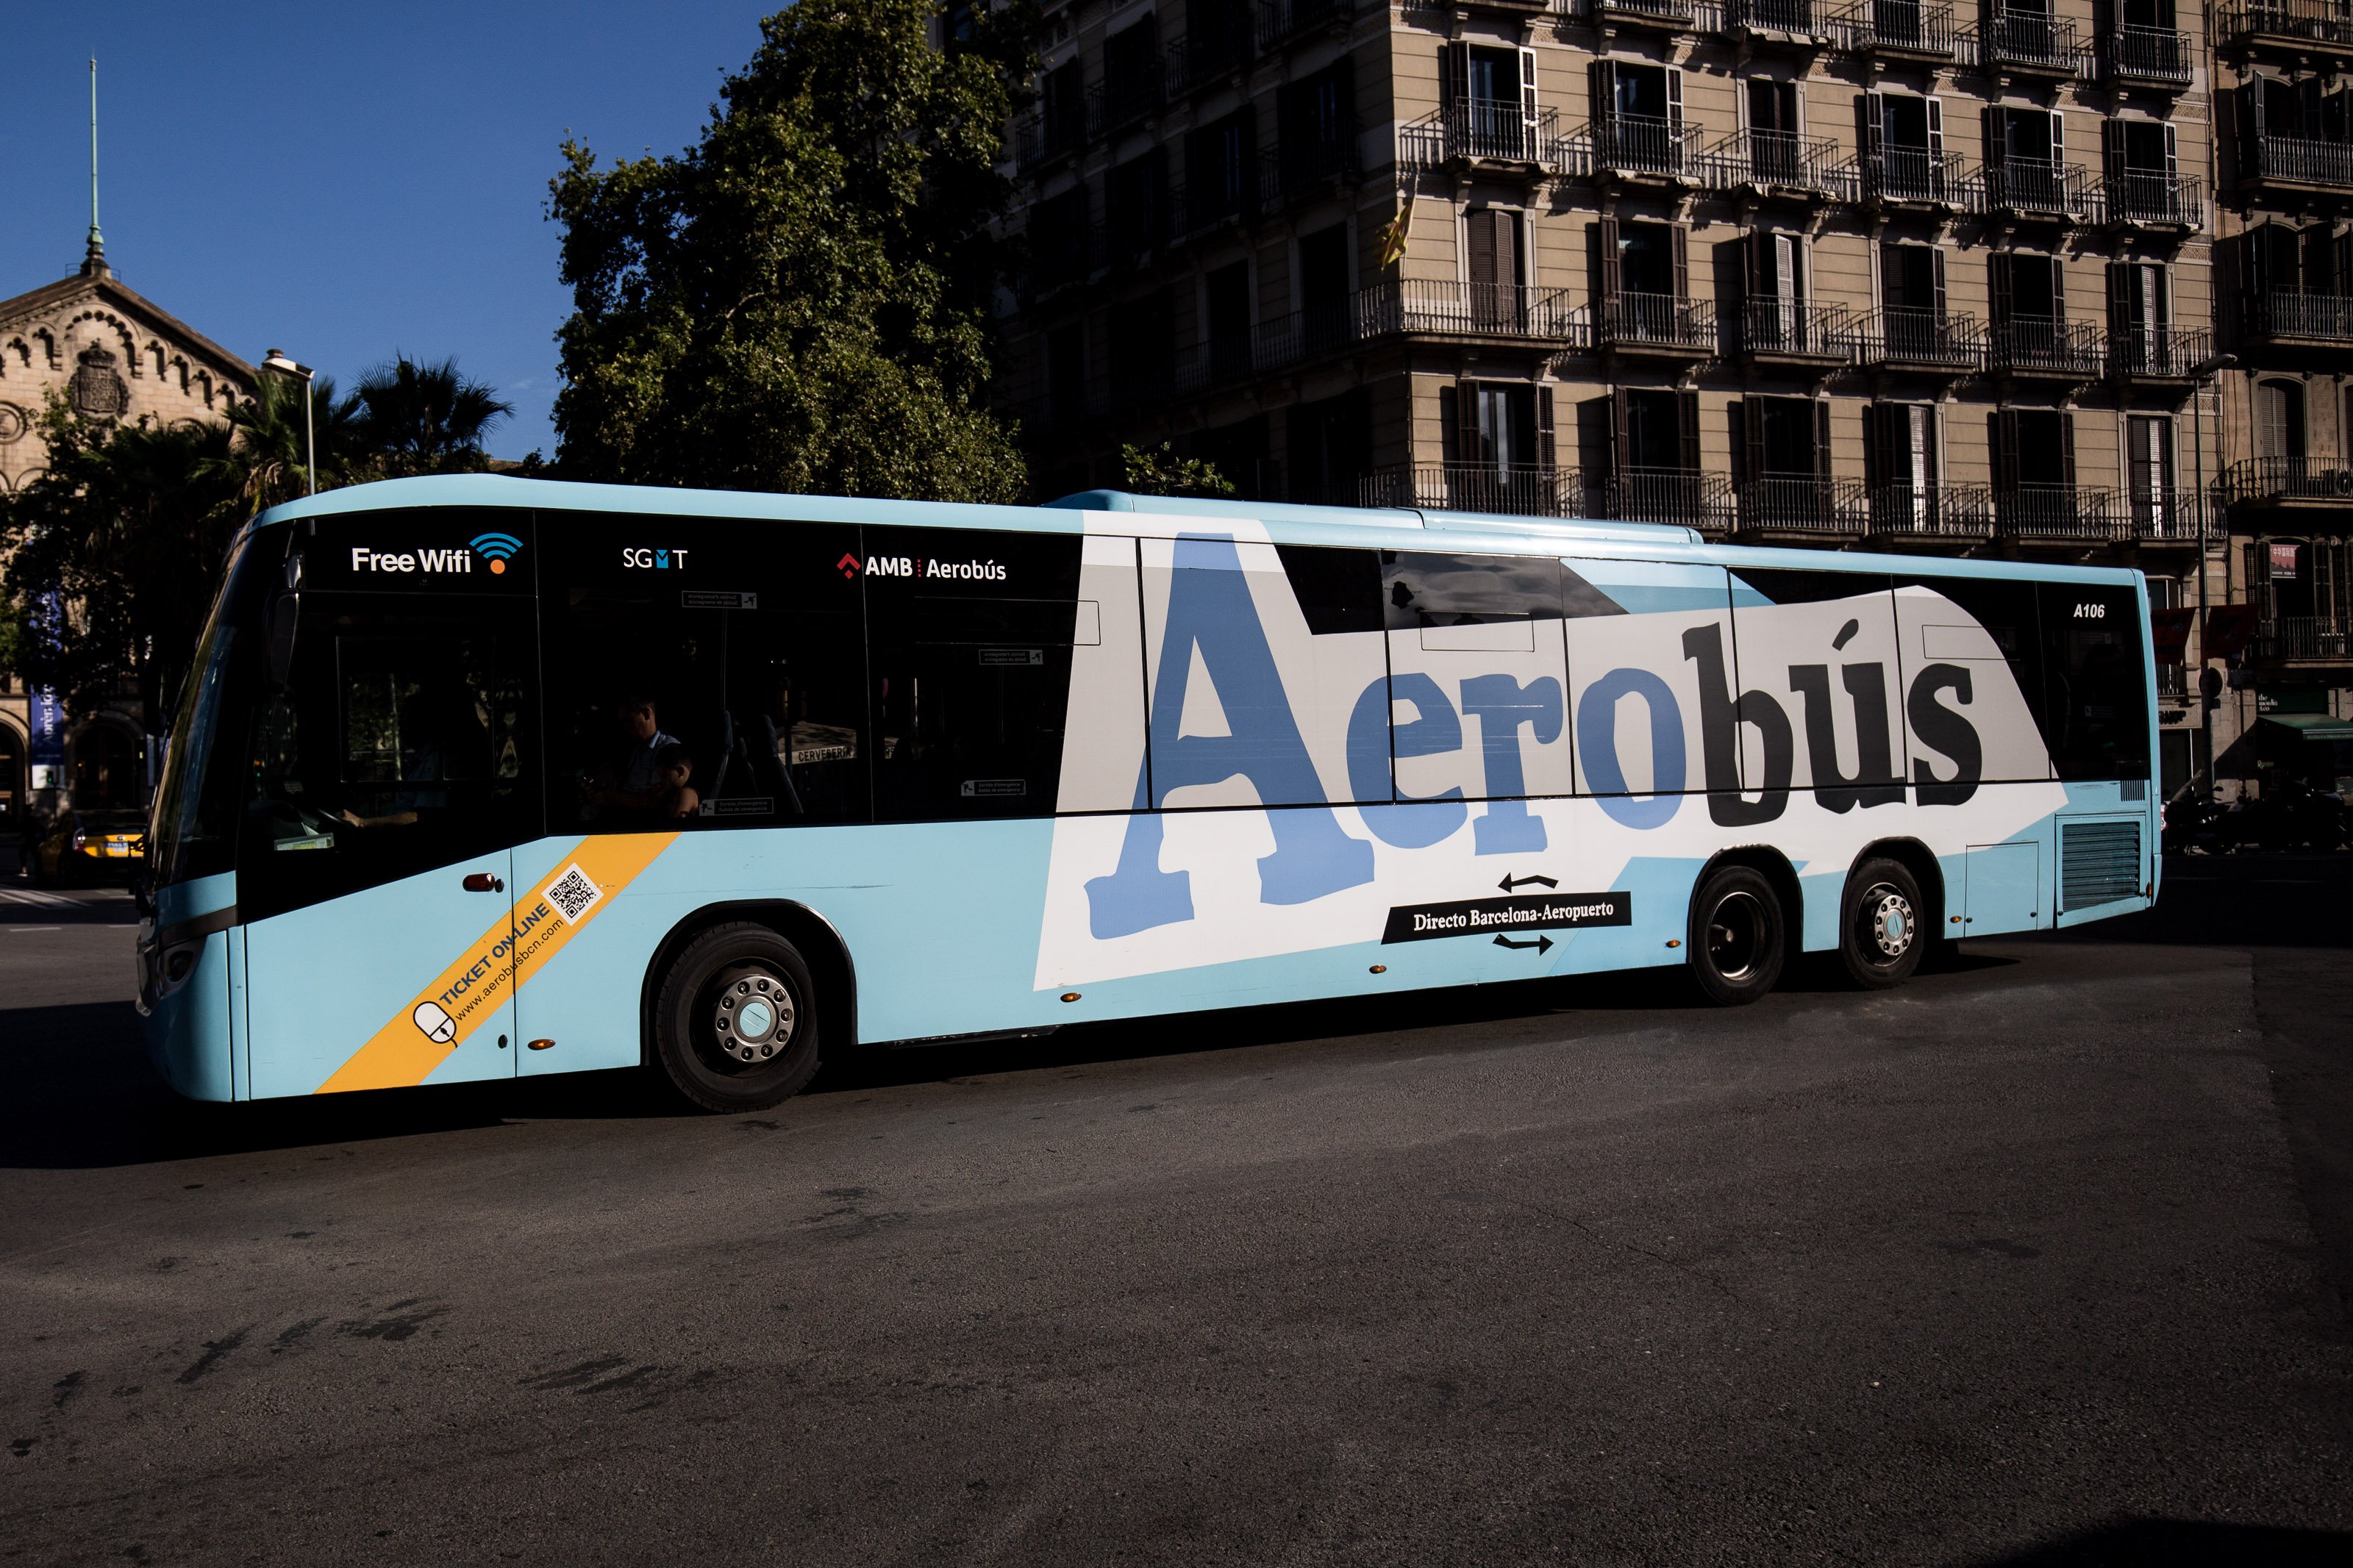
[572, 894]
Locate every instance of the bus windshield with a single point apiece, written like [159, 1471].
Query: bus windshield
[193, 831]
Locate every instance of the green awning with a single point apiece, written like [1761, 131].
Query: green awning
[2314, 726]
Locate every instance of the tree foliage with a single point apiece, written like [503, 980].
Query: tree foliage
[1159, 471]
[804, 301]
[411, 418]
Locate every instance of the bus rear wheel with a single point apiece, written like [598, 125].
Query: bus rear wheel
[735, 1022]
[1880, 932]
[1737, 936]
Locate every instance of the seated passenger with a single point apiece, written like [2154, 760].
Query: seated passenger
[635, 784]
[676, 769]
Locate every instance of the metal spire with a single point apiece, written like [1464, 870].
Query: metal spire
[93, 262]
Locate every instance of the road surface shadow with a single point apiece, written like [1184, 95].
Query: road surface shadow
[2180, 1543]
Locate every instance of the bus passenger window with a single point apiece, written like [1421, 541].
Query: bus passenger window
[2097, 701]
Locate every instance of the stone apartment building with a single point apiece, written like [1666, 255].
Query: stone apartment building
[1841, 273]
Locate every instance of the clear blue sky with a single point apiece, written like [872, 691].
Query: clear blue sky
[344, 181]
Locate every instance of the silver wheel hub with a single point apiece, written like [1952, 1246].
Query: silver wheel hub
[753, 1017]
[1891, 925]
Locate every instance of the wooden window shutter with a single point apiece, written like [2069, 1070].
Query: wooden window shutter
[2059, 287]
[1993, 143]
[1870, 128]
[1454, 74]
[2173, 153]
[2112, 148]
[1750, 411]
[1879, 421]
[2005, 450]
[1937, 268]
[1998, 277]
[2120, 311]
[1604, 76]
[1679, 245]
[1529, 93]
[1936, 128]
[1674, 95]
[1821, 438]
[2067, 446]
[2058, 137]
[1450, 440]
[1507, 246]
[1622, 445]
[1687, 430]
[1548, 447]
[1466, 411]
[2157, 302]
[1479, 233]
[1606, 239]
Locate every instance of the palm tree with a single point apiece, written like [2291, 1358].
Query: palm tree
[265, 459]
[426, 418]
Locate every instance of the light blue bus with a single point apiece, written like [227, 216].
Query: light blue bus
[479, 777]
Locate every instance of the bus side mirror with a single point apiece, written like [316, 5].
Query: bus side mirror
[285, 613]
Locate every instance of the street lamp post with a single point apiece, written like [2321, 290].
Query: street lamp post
[2201, 373]
[278, 362]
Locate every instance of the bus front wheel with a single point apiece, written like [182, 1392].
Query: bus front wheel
[1881, 935]
[735, 1023]
[1736, 937]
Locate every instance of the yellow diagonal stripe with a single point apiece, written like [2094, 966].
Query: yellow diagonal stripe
[476, 983]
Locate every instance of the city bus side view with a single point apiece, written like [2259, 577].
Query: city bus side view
[479, 777]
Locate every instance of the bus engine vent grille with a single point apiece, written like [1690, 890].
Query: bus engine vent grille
[2099, 862]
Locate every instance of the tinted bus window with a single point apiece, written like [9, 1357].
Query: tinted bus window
[1972, 655]
[1477, 635]
[970, 673]
[2096, 706]
[704, 674]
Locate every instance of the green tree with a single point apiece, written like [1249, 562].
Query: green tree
[411, 418]
[114, 553]
[804, 301]
[1159, 471]
[265, 455]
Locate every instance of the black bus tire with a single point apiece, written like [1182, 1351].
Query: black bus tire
[735, 1021]
[1881, 937]
[1737, 936]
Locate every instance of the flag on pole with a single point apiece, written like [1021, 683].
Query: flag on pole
[1393, 237]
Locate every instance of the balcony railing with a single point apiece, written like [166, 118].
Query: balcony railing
[1040, 139]
[1124, 96]
[1659, 13]
[2157, 57]
[1297, 165]
[1479, 131]
[2161, 515]
[1197, 59]
[1664, 321]
[1528, 491]
[1634, 144]
[1895, 27]
[1915, 174]
[1695, 500]
[2020, 40]
[1280, 21]
[1919, 340]
[2172, 201]
[2304, 637]
[1802, 17]
[1792, 329]
[1443, 307]
[2295, 160]
[2266, 479]
[2157, 353]
[2046, 345]
[1776, 160]
[2037, 187]
[1818, 506]
[2076, 513]
[1197, 208]
[2320, 318]
[2322, 22]
[1959, 513]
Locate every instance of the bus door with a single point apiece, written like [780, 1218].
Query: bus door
[395, 770]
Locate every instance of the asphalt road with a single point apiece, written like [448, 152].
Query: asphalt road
[2041, 1259]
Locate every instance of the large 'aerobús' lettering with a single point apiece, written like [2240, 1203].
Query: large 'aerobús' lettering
[1874, 780]
[1211, 610]
[1947, 731]
[1720, 717]
[1416, 822]
[1503, 707]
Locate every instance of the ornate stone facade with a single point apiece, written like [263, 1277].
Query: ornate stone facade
[112, 356]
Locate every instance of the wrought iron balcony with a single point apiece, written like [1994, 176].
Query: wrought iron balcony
[1792, 332]
[2299, 162]
[1803, 19]
[2078, 514]
[2030, 41]
[2299, 483]
[1297, 165]
[1633, 144]
[1808, 506]
[1684, 496]
[1280, 21]
[1227, 358]
[1480, 131]
[1199, 59]
[2304, 637]
[1913, 340]
[2147, 56]
[2157, 353]
[1955, 514]
[1677, 14]
[1043, 138]
[1778, 161]
[2141, 199]
[1124, 97]
[2045, 346]
[1196, 209]
[1666, 325]
[2324, 321]
[1519, 490]
[1903, 28]
[2026, 187]
[2305, 26]
[2163, 516]
[1914, 175]
[1445, 308]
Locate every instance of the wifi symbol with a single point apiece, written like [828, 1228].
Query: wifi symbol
[496, 548]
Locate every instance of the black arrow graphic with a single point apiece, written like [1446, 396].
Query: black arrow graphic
[1543, 945]
[1509, 883]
